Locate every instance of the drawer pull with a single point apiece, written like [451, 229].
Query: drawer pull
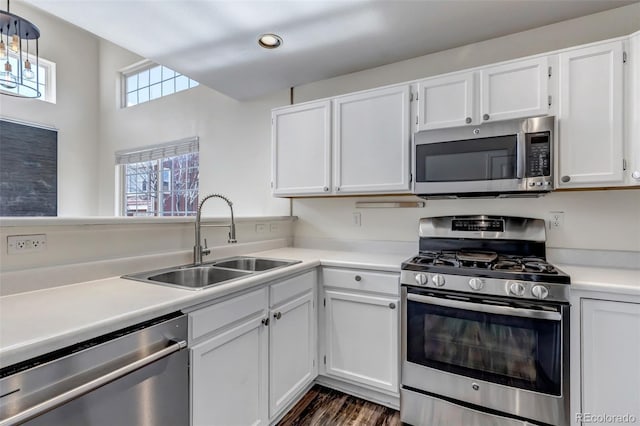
[277, 315]
[358, 278]
[392, 305]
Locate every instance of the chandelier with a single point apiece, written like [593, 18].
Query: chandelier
[18, 75]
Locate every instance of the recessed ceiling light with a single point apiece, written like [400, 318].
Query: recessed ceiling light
[270, 41]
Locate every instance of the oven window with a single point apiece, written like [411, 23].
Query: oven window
[469, 160]
[513, 351]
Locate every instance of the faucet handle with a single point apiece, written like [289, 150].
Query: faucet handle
[206, 250]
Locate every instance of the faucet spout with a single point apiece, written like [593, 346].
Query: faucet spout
[198, 251]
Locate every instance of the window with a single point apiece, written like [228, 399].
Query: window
[47, 76]
[145, 82]
[161, 180]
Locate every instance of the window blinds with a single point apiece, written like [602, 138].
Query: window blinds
[156, 152]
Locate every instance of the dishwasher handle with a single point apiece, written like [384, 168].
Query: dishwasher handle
[85, 388]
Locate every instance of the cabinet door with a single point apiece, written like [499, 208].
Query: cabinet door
[515, 90]
[362, 339]
[446, 102]
[610, 354]
[301, 149]
[292, 349]
[632, 113]
[372, 141]
[590, 117]
[229, 377]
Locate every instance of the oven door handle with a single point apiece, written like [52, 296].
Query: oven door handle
[489, 309]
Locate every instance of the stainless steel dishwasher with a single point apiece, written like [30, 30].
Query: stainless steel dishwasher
[137, 376]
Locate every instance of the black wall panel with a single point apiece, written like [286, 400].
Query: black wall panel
[28, 170]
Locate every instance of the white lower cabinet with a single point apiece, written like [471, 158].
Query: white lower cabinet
[292, 348]
[253, 354]
[361, 329]
[229, 377]
[610, 348]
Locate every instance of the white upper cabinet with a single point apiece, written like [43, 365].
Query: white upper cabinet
[515, 90]
[590, 125]
[372, 141]
[446, 102]
[301, 149]
[632, 115]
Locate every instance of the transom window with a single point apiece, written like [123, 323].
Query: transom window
[148, 81]
[160, 181]
[46, 78]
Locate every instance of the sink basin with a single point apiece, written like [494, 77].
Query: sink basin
[209, 274]
[253, 263]
[197, 276]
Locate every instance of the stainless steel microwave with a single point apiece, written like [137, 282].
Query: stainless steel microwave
[509, 158]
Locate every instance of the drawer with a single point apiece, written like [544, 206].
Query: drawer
[215, 317]
[355, 279]
[292, 287]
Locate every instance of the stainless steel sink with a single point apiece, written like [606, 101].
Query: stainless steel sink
[253, 263]
[197, 276]
[218, 272]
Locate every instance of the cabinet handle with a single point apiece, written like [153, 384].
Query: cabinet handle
[392, 305]
[265, 321]
[358, 278]
[485, 117]
[337, 189]
[565, 179]
[635, 174]
[468, 120]
[277, 315]
[326, 189]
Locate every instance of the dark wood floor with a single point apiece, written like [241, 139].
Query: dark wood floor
[322, 406]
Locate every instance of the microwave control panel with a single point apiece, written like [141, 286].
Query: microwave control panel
[538, 154]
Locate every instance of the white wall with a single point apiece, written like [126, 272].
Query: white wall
[75, 114]
[606, 220]
[603, 220]
[235, 138]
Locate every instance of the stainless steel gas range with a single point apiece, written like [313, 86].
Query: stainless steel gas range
[485, 325]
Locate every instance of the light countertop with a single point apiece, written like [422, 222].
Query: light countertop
[37, 322]
[34, 323]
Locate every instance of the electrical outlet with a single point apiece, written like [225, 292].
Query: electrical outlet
[357, 219]
[556, 220]
[274, 227]
[261, 228]
[20, 244]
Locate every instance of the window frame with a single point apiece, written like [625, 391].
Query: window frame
[157, 155]
[140, 67]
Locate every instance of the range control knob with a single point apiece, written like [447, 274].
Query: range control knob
[476, 284]
[516, 288]
[421, 279]
[539, 291]
[438, 280]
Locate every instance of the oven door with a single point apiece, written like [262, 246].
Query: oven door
[486, 352]
[489, 164]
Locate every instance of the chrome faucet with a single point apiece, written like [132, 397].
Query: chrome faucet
[198, 251]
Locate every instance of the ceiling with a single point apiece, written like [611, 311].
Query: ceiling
[215, 41]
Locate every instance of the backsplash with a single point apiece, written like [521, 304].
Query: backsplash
[72, 241]
[593, 220]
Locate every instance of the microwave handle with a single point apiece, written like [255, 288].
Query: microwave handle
[521, 155]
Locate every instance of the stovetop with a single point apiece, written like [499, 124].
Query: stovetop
[486, 264]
